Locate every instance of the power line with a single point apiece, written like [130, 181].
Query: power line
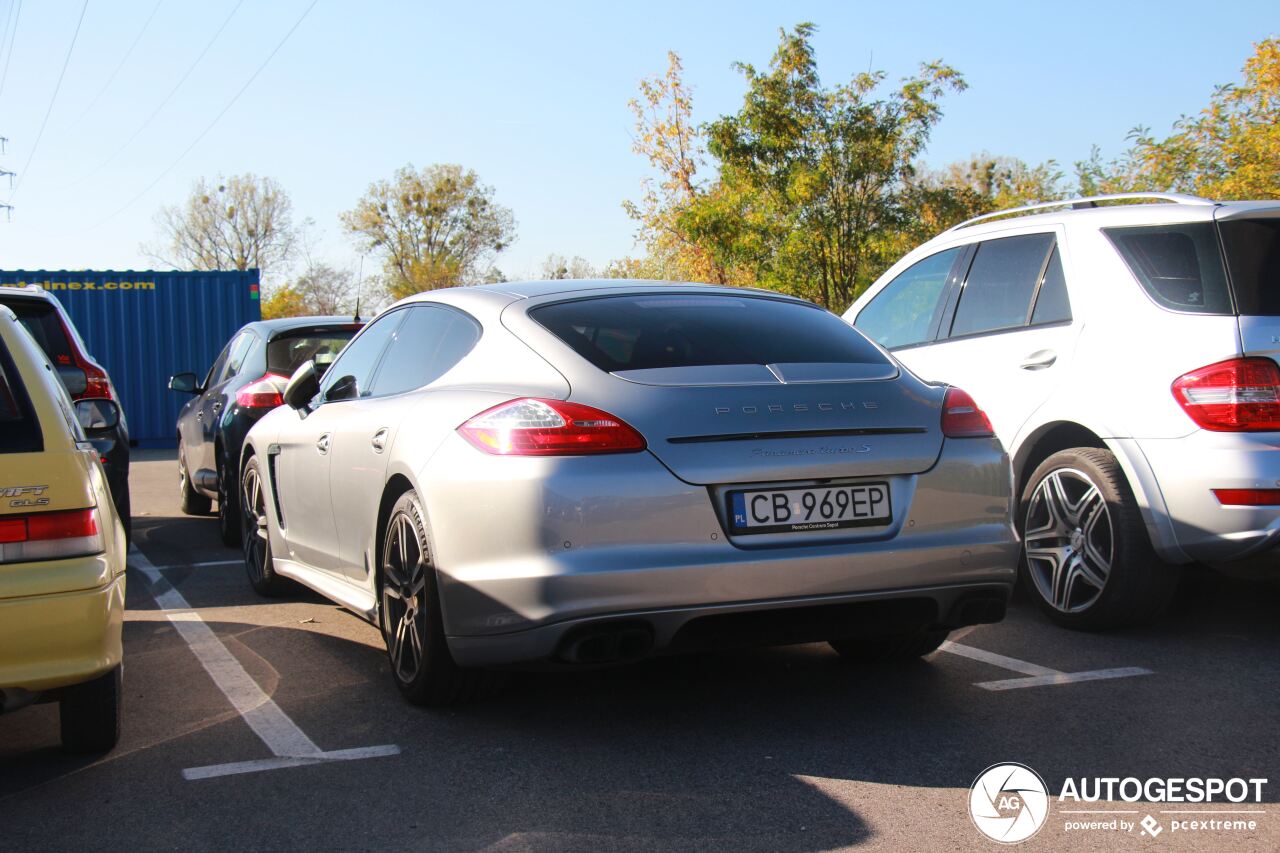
[216, 118]
[123, 60]
[13, 36]
[57, 87]
[8, 21]
[160, 106]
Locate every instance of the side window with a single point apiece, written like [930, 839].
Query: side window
[902, 313]
[1179, 266]
[429, 342]
[218, 364]
[350, 375]
[1001, 283]
[1052, 304]
[236, 355]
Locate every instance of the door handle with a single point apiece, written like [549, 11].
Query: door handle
[322, 444]
[1039, 360]
[379, 440]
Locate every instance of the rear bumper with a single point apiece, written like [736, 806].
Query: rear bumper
[530, 549]
[55, 640]
[623, 636]
[1190, 468]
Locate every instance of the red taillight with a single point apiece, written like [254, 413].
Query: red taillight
[1237, 395]
[266, 392]
[961, 417]
[96, 382]
[49, 535]
[13, 530]
[1248, 497]
[532, 427]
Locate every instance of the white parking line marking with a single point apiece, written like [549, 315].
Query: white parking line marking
[214, 770]
[288, 743]
[199, 565]
[1064, 678]
[1036, 675]
[998, 660]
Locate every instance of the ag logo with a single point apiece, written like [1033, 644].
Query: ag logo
[1008, 803]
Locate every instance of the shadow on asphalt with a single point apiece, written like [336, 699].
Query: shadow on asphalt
[727, 741]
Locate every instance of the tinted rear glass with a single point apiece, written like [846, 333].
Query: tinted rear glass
[1179, 266]
[41, 320]
[290, 350]
[643, 332]
[19, 431]
[1001, 283]
[1253, 259]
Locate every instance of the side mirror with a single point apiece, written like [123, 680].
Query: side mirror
[302, 386]
[344, 389]
[187, 383]
[97, 415]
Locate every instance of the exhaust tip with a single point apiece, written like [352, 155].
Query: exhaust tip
[606, 642]
[984, 608]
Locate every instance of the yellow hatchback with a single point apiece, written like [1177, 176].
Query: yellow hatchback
[62, 550]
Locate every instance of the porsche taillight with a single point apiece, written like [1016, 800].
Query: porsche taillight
[536, 427]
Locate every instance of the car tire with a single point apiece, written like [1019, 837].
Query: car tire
[89, 714]
[410, 614]
[887, 648]
[189, 500]
[228, 510]
[255, 535]
[1086, 558]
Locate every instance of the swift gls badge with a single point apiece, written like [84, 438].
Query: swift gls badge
[20, 496]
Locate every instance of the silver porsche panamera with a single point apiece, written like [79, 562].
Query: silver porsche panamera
[591, 472]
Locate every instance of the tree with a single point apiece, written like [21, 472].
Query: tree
[238, 223]
[326, 290]
[667, 137]
[982, 184]
[437, 227]
[560, 267]
[812, 178]
[284, 301]
[1229, 150]
[988, 183]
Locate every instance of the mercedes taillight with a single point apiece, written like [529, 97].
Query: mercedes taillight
[1237, 395]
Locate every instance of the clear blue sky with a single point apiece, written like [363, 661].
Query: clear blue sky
[532, 96]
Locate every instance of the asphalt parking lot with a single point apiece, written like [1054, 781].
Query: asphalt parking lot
[756, 749]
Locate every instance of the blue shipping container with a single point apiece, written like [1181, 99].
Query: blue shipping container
[145, 326]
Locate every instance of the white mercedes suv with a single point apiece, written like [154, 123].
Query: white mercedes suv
[1126, 354]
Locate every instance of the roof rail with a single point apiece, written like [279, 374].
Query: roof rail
[1081, 203]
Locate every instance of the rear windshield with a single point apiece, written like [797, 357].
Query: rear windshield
[41, 320]
[1252, 248]
[19, 431]
[290, 350]
[644, 332]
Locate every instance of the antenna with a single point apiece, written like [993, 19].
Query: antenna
[359, 287]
